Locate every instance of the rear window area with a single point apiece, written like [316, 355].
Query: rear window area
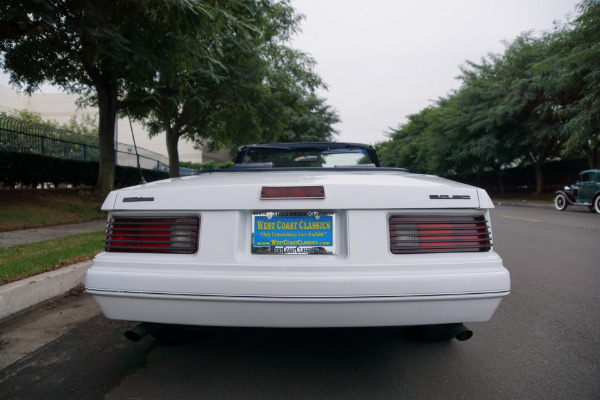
[309, 157]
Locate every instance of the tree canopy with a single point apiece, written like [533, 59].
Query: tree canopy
[254, 89]
[537, 101]
[99, 47]
[215, 72]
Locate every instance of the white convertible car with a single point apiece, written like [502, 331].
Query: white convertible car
[300, 235]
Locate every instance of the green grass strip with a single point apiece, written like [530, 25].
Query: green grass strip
[33, 208]
[18, 262]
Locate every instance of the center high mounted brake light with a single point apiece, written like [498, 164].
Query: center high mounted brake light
[293, 192]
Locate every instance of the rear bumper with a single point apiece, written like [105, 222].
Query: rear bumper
[297, 312]
[327, 297]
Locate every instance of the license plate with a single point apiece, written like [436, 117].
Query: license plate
[289, 232]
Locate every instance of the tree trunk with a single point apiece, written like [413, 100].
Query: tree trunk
[539, 179]
[107, 101]
[500, 182]
[172, 152]
[593, 158]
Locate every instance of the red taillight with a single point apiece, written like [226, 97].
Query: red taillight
[152, 235]
[293, 192]
[433, 234]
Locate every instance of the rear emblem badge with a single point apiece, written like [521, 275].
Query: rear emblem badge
[134, 199]
[448, 197]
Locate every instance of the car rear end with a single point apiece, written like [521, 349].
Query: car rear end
[291, 249]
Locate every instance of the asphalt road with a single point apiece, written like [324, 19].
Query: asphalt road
[543, 342]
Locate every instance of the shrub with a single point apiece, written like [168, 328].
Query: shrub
[226, 165]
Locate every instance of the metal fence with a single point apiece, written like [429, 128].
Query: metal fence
[125, 156]
[27, 137]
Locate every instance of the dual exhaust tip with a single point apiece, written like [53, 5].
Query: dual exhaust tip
[457, 331]
[141, 331]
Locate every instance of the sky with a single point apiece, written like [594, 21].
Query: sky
[386, 59]
[383, 60]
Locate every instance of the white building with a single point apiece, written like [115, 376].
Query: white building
[62, 106]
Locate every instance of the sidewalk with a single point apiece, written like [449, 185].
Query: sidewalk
[25, 236]
[26, 293]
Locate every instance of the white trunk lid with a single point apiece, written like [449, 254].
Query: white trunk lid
[343, 190]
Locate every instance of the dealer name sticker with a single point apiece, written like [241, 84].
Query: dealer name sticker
[292, 233]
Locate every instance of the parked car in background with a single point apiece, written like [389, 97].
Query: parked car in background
[300, 235]
[585, 192]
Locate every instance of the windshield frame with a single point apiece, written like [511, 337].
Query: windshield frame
[333, 147]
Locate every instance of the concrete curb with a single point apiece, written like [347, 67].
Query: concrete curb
[21, 295]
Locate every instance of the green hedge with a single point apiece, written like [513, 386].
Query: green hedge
[32, 169]
[226, 165]
[557, 174]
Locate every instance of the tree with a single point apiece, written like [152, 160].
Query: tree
[530, 102]
[24, 18]
[409, 146]
[251, 93]
[99, 48]
[503, 112]
[482, 119]
[575, 72]
[537, 101]
[312, 122]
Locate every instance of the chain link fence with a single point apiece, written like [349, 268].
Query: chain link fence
[27, 137]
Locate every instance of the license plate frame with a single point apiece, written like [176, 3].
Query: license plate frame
[293, 232]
